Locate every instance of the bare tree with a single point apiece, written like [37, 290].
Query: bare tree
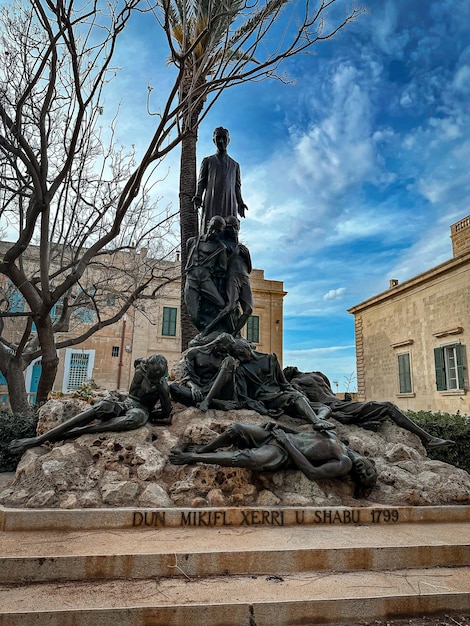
[61, 186]
[75, 199]
[216, 44]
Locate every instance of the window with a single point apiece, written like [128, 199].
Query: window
[404, 373]
[169, 321]
[85, 315]
[56, 311]
[115, 351]
[448, 361]
[78, 368]
[16, 302]
[85, 312]
[252, 329]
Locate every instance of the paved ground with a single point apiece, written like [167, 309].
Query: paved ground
[437, 620]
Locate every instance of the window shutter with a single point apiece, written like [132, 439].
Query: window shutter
[439, 366]
[169, 321]
[404, 373]
[460, 373]
[252, 329]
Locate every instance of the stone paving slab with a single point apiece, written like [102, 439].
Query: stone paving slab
[273, 600]
[41, 556]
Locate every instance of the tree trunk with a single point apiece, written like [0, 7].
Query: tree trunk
[188, 175]
[17, 387]
[49, 359]
[188, 222]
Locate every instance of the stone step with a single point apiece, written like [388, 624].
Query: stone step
[224, 567]
[269, 600]
[126, 518]
[113, 554]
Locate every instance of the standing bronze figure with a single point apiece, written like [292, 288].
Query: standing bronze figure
[219, 184]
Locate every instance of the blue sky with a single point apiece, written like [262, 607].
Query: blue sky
[352, 175]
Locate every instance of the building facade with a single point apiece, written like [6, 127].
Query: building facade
[412, 340]
[107, 357]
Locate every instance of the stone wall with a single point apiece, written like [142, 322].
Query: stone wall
[460, 235]
[429, 311]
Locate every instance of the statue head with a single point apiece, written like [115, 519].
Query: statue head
[157, 366]
[232, 227]
[363, 473]
[221, 138]
[291, 372]
[242, 350]
[223, 342]
[216, 226]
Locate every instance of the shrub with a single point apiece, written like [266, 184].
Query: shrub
[447, 426]
[14, 427]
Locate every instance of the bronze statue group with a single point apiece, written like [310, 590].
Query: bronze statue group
[222, 370]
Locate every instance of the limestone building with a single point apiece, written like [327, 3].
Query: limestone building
[411, 340]
[107, 357]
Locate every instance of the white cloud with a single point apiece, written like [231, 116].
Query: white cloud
[385, 30]
[461, 80]
[335, 294]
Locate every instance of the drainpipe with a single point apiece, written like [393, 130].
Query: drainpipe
[121, 350]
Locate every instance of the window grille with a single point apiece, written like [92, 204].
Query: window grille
[78, 374]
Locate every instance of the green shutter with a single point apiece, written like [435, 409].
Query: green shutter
[252, 329]
[439, 366]
[404, 373]
[460, 373]
[169, 321]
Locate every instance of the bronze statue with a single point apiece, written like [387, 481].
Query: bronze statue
[219, 182]
[370, 415]
[148, 387]
[205, 270]
[272, 447]
[261, 386]
[237, 283]
[208, 378]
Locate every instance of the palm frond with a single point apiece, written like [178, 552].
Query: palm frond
[271, 7]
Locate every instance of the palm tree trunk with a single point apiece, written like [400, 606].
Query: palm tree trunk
[188, 221]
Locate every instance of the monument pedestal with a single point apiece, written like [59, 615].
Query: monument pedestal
[232, 566]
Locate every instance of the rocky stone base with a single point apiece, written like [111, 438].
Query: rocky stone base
[132, 469]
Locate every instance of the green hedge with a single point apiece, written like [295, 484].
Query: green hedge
[447, 426]
[14, 427]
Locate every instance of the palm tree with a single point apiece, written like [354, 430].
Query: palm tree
[213, 45]
[203, 31]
